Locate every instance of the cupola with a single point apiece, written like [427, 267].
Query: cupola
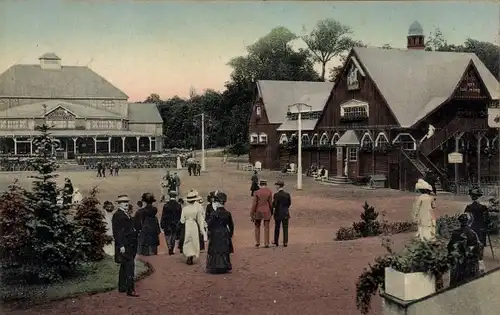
[416, 37]
[50, 61]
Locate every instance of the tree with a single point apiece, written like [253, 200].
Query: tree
[327, 40]
[16, 218]
[238, 149]
[153, 98]
[91, 220]
[386, 46]
[435, 41]
[55, 238]
[488, 53]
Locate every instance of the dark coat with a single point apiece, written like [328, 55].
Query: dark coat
[208, 211]
[150, 228]
[255, 183]
[467, 269]
[281, 205]
[125, 235]
[479, 224]
[221, 229]
[170, 217]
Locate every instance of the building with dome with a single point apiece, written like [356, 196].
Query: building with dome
[87, 113]
[395, 114]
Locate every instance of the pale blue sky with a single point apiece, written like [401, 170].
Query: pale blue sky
[166, 47]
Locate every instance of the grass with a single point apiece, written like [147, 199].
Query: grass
[99, 277]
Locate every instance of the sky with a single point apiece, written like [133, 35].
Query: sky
[167, 47]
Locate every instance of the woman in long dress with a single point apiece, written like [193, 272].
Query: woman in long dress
[221, 229]
[149, 236]
[194, 222]
[423, 211]
[108, 215]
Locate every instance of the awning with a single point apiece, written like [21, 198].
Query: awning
[348, 138]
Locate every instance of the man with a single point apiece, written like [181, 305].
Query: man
[254, 186]
[198, 168]
[125, 237]
[480, 216]
[116, 168]
[281, 211]
[431, 178]
[170, 219]
[99, 168]
[177, 182]
[261, 211]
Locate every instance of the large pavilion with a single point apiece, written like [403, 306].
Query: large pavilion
[86, 112]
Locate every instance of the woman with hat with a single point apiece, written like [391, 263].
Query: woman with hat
[423, 211]
[466, 248]
[479, 214]
[149, 235]
[194, 222]
[221, 229]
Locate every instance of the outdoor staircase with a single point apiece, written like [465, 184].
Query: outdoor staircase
[412, 156]
[336, 180]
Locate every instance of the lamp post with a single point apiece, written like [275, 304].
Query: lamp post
[203, 165]
[299, 108]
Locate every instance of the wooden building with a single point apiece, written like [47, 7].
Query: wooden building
[269, 119]
[87, 113]
[384, 103]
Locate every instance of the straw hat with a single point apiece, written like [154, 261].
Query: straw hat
[192, 196]
[422, 185]
[123, 198]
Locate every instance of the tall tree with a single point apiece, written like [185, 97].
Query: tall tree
[327, 40]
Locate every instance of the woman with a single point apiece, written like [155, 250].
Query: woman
[194, 222]
[465, 243]
[180, 230]
[204, 227]
[423, 211]
[221, 229]
[68, 192]
[149, 236]
[108, 215]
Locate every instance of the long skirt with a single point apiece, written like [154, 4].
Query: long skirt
[464, 272]
[220, 247]
[191, 246]
[147, 250]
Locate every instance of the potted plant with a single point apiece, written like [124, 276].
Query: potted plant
[415, 272]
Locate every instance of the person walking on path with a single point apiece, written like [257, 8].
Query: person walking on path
[125, 237]
[204, 227]
[194, 222]
[221, 228]
[423, 211]
[170, 218]
[254, 186]
[177, 182]
[261, 211]
[281, 211]
[149, 234]
[480, 217]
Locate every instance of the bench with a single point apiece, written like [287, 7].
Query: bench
[377, 181]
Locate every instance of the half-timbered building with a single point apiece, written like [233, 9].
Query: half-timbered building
[386, 101]
[87, 113]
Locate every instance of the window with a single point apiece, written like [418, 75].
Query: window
[262, 138]
[283, 138]
[335, 138]
[381, 140]
[103, 124]
[254, 138]
[354, 111]
[108, 103]
[406, 141]
[258, 110]
[324, 139]
[12, 124]
[352, 153]
[314, 139]
[366, 140]
[305, 139]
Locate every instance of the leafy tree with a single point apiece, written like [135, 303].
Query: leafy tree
[239, 149]
[435, 41]
[386, 46]
[328, 40]
[16, 247]
[56, 241]
[153, 98]
[91, 220]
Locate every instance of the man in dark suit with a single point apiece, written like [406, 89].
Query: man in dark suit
[125, 236]
[480, 219]
[281, 212]
[170, 219]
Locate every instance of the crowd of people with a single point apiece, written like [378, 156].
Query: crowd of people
[469, 239]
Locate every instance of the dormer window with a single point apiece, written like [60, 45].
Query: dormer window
[254, 138]
[354, 110]
[263, 138]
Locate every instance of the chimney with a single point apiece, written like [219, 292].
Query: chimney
[50, 61]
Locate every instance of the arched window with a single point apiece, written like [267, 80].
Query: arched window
[366, 140]
[262, 138]
[406, 141]
[314, 139]
[283, 138]
[335, 138]
[305, 138]
[324, 139]
[381, 140]
[494, 142]
[254, 137]
[294, 135]
[485, 142]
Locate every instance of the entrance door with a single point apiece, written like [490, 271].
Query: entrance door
[394, 176]
[340, 161]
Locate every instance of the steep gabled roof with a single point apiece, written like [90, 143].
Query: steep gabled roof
[278, 95]
[69, 82]
[144, 113]
[36, 110]
[416, 82]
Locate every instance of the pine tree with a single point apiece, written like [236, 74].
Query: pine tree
[368, 226]
[92, 221]
[16, 218]
[57, 241]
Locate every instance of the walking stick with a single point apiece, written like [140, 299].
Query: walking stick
[491, 245]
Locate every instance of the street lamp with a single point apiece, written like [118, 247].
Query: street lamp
[203, 165]
[299, 108]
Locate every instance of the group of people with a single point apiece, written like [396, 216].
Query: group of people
[170, 183]
[114, 169]
[194, 167]
[469, 239]
[183, 221]
[266, 206]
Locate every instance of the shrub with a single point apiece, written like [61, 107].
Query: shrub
[92, 223]
[446, 224]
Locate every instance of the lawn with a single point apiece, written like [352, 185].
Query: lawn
[96, 277]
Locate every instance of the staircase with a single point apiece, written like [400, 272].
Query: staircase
[412, 156]
[336, 180]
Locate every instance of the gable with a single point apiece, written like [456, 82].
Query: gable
[259, 113]
[470, 86]
[60, 113]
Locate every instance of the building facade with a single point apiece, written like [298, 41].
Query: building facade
[86, 112]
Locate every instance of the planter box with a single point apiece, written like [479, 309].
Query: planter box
[408, 286]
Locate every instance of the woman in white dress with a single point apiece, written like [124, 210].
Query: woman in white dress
[108, 215]
[423, 211]
[200, 204]
[194, 223]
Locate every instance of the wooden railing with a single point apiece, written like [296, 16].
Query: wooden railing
[455, 126]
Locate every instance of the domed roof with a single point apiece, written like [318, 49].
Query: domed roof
[415, 29]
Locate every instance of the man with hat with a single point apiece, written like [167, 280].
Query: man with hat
[169, 223]
[479, 213]
[125, 237]
[261, 211]
[281, 211]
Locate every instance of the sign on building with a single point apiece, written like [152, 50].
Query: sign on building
[455, 158]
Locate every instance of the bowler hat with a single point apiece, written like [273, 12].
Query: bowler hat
[475, 192]
[148, 198]
[280, 183]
